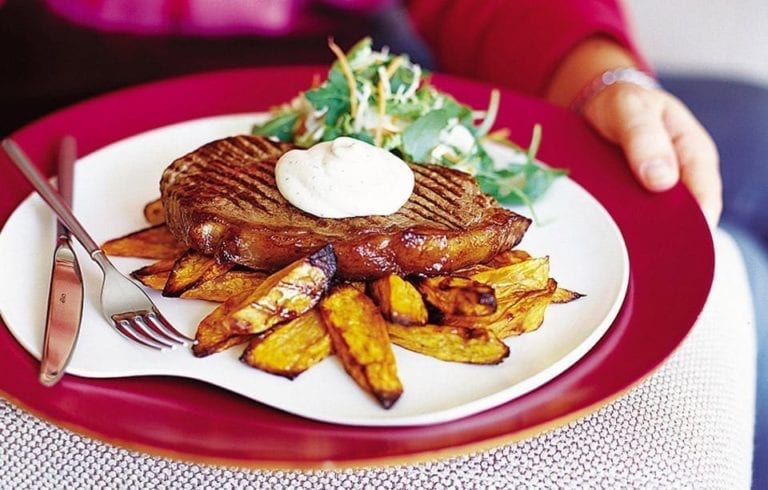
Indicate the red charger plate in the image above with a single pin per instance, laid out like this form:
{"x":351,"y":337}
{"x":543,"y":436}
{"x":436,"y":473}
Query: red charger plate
{"x":671,"y":259}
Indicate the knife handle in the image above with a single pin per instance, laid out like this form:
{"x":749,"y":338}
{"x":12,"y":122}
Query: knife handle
{"x":49,"y":195}
{"x":66,"y":170}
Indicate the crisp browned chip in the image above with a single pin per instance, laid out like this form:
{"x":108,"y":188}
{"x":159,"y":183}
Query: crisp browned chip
{"x":452,"y":295}
{"x":290,"y":348}
{"x":508,"y":257}
{"x":457,"y":344}
{"x":154,"y":212}
{"x":525,"y":313}
{"x":217,"y":289}
{"x":399,"y":301}
{"x":502,"y":259}
{"x":285,"y":294}
{"x":563,"y":295}
{"x":223,"y":287}
{"x":360,"y":339}
{"x":190,"y":270}
{"x":282,"y":296}
{"x":154,"y":275}
{"x":518,"y":312}
{"x":213,"y":333}
{"x":155,"y":242}
{"x":521,"y":276}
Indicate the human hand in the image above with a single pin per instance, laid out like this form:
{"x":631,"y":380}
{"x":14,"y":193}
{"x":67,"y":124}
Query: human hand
{"x":663,"y":142}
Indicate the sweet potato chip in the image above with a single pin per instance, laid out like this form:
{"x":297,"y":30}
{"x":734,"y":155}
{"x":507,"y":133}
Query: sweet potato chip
{"x":286,"y":294}
{"x":213,"y":333}
{"x":154,"y":212}
{"x":526,"y":275}
{"x":504,"y":258}
{"x":226,"y":285}
{"x":452,"y":295}
{"x":399,"y":301}
{"x":563,"y":295}
{"x":360,"y":339}
{"x":155,"y":274}
{"x":282,"y":296}
{"x":518,"y":312}
{"x":290,"y":348}
{"x":190,"y":270}
{"x":155,"y":242}
{"x":526,"y":313}
{"x":508,"y":258}
{"x":456,"y":344}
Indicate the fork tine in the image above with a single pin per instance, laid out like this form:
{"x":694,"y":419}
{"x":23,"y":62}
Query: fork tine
{"x":141,"y":325}
{"x":134,"y":321}
{"x":161,"y":323}
{"x":123,"y":326}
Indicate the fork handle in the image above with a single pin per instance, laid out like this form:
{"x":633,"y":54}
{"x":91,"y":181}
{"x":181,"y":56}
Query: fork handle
{"x":49,"y":195}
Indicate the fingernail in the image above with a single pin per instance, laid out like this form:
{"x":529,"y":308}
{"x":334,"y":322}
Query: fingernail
{"x":659,"y":174}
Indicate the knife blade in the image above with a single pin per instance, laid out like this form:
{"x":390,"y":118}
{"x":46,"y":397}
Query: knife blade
{"x":65,"y":293}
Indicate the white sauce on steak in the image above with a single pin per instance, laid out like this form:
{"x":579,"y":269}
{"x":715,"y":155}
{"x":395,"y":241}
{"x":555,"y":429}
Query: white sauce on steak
{"x":344,"y":178}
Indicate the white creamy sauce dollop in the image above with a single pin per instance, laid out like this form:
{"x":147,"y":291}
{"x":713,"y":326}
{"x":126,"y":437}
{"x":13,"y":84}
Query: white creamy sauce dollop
{"x":344,"y":178}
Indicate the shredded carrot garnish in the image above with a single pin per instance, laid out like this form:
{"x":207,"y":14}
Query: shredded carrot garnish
{"x":347,"y":71}
{"x":499,"y":134}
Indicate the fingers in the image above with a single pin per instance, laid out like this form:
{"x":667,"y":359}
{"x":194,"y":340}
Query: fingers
{"x":662,"y":140}
{"x":624,"y":114}
{"x":698,"y":158}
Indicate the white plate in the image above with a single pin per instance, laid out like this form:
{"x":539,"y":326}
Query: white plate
{"x":586,"y":250}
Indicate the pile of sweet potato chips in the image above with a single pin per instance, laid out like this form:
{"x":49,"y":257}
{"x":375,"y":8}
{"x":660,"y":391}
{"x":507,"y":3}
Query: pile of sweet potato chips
{"x":295,"y":317}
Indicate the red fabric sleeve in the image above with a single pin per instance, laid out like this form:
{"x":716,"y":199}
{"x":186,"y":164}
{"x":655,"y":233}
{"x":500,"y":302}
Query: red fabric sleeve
{"x":514,"y":43}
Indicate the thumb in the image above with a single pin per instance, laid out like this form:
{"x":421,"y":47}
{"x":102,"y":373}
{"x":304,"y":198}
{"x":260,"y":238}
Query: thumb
{"x":633,"y":118}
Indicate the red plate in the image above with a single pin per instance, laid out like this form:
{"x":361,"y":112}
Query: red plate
{"x":671,"y":267}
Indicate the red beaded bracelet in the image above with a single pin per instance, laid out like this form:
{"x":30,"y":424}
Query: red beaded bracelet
{"x":608,"y":78}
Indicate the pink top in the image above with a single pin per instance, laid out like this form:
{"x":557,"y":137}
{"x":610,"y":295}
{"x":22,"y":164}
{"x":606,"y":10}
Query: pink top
{"x":208,"y":17}
{"x":516,"y":43}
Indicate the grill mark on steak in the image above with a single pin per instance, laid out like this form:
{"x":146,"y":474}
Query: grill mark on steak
{"x":265,"y":146}
{"x":243,"y":177}
{"x":419,"y":212}
{"x":230,"y":190}
{"x":432,"y":202}
{"x":220,"y":182}
{"x":252,"y":149}
{"x":431,"y":210}
{"x":230,"y":175}
{"x":264,"y":174}
{"x":451,"y":185}
{"x":433,"y":196}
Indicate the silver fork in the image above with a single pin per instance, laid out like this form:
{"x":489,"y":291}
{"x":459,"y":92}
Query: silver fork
{"x":124,"y":304}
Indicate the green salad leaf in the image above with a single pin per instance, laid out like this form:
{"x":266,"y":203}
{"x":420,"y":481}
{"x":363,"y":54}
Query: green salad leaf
{"x":423,"y":134}
{"x":280,"y":127}
{"x":386,"y":100}
{"x":332,"y":96}
{"x":519,"y":183}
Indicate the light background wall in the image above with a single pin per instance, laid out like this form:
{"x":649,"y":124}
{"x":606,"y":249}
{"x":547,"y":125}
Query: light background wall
{"x":714,"y":37}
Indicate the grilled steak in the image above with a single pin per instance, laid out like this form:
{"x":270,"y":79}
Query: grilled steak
{"x":222,"y":200}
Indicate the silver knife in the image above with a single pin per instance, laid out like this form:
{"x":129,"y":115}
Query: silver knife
{"x":65,"y":293}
